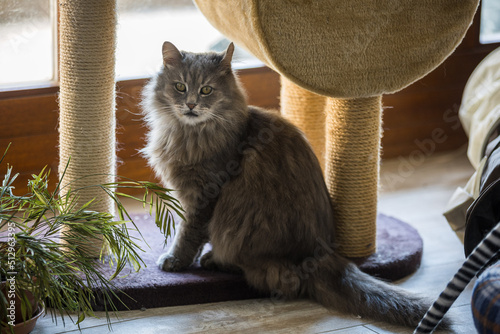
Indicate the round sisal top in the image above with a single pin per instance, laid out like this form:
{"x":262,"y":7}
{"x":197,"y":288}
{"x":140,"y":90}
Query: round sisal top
{"x":345,"y":48}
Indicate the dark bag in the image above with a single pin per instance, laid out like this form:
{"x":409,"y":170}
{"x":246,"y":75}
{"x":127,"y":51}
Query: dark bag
{"x":484,"y":212}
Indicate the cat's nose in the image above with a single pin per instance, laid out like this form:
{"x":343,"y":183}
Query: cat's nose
{"x":191,"y":105}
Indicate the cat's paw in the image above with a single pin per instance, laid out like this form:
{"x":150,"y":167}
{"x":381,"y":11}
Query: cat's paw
{"x":168,"y":262}
{"x":207,"y":262}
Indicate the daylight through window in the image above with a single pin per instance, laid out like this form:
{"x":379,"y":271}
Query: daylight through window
{"x":490,"y":22}
{"x":28,"y":38}
{"x":27,"y":33}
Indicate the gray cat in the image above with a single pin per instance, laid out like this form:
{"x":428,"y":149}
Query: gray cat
{"x":251,"y":185}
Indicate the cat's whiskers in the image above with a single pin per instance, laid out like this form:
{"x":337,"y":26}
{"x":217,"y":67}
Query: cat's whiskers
{"x":165,"y":108}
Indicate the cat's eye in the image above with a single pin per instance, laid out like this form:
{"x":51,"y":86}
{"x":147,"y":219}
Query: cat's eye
{"x":206,"y":90}
{"x":180,"y":87}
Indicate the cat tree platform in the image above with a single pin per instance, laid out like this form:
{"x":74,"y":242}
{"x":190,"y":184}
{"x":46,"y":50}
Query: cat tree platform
{"x":398,"y":253}
{"x":399,"y":250}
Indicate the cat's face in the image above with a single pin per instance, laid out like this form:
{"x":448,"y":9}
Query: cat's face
{"x":197,"y":87}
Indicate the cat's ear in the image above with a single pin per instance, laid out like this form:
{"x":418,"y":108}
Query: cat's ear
{"x":228,"y":56}
{"x":171,"y":56}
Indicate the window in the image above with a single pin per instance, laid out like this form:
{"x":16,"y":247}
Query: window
{"x":28,"y":30}
{"x":490,"y":22}
{"x":27,"y":42}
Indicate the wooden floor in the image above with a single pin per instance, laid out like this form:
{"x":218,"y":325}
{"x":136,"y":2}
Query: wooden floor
{"x":414,"y":190}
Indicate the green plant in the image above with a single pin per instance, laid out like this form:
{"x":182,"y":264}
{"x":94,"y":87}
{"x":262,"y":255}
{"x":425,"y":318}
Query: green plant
{"x":44,"y":237}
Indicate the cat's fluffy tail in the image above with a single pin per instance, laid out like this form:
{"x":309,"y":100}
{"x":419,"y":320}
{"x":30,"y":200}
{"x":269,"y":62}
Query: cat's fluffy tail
{"x":348,"y":289}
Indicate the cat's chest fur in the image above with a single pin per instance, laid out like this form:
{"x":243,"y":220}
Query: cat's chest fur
{"x":199,"y":178}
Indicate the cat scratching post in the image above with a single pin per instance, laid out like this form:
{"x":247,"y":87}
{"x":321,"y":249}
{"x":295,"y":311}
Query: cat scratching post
{"x":306,"y":110}
{"x":352,"y":135}
{"x":87,"y":100}
{"x":351,"y":52}
{"x":352,"y":170}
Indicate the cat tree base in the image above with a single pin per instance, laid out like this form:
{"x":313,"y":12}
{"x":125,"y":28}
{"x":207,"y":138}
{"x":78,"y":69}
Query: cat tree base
{"x":399,"y":250}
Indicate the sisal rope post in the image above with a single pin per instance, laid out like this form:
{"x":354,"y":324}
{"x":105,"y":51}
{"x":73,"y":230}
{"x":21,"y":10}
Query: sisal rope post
{"x":306,"y":110}
{"x":353,"y":132}
{"x":87,"y":38}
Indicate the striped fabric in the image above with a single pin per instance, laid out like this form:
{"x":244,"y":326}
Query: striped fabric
{"x":481,"y":255}
{"x":486,"y":301}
